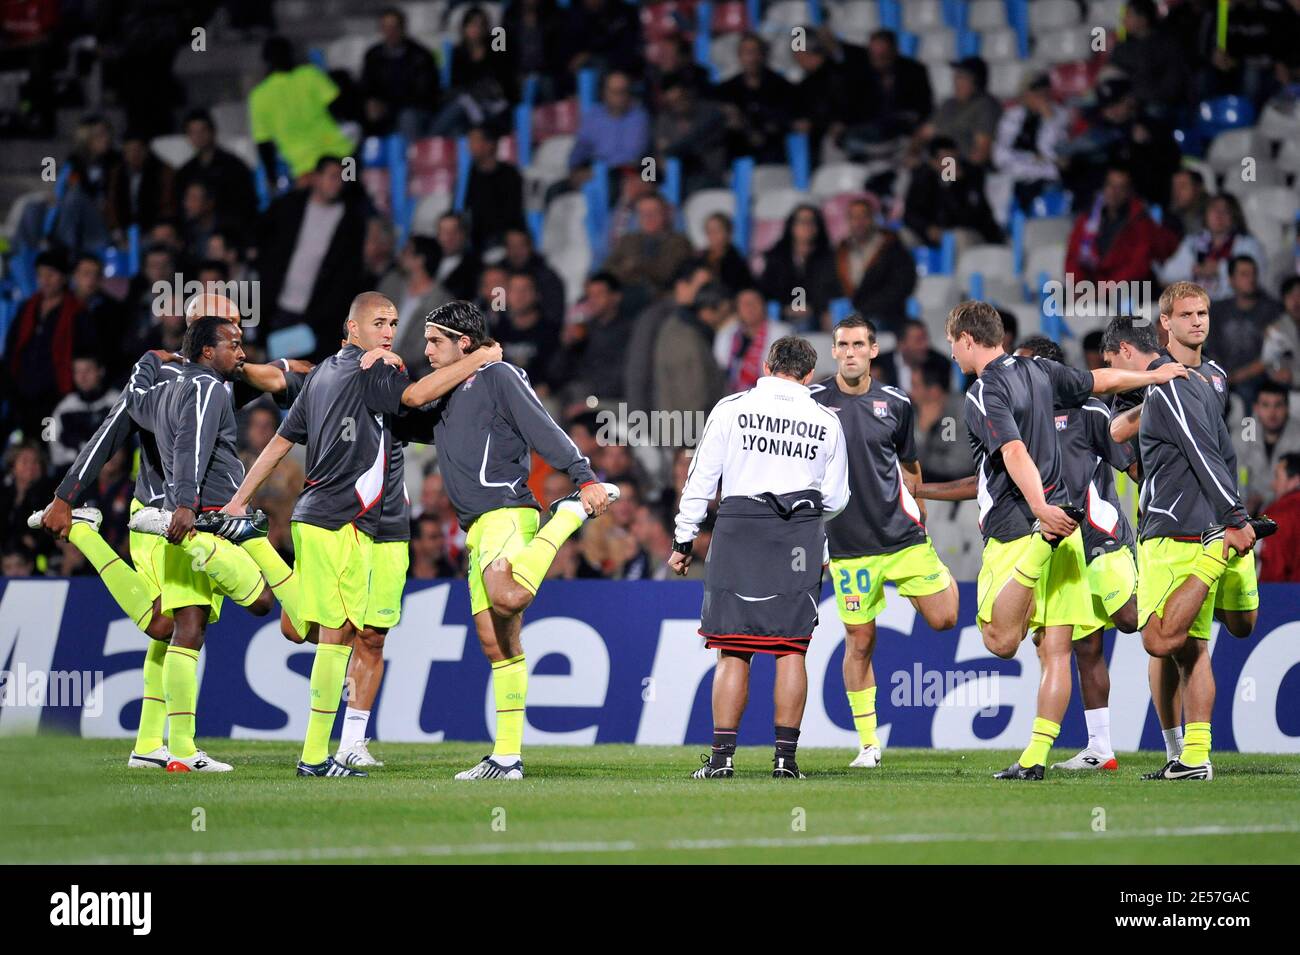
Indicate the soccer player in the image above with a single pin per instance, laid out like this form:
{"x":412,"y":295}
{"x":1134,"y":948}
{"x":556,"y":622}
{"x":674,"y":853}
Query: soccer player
{"x":137,"y":587}
{"x":485,"y":430}
{"x":1033,"y":576}
{"x":880,"y":535}
{"x":1089,"y":456}
{"x":1195,"y":536}
{"x":780,"y":460}
{"x":340,"y":416}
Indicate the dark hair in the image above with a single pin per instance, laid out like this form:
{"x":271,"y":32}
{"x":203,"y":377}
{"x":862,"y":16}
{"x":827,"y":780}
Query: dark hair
{"x":686,"y":271}
{"x":216,"y":265}
{"x":911,"y":323}
{"x":792,"y":356}
{"x":325,"y":161}
{"x":462,"y":318}
{"x":277,"y":53}
{"x":198,"y":115}
{"x":1092,"y":341}
{"x":1290,"y":463}
{"x":889,"y":36}
{"x":1120,"y":167}
{"x":1192,"y":174}
{"x":1010,"y":326}
{"x":937,"y":370}
{"x":486,"y":132}
{"x":821,"y":241}
{"x":749,"y":36}
{"x":230,"y":239}
{"x":1146,"y":9}
{"x":394,"y":12}
{"x":980,"y":320}
{"x":1236,"y":260}
{"x":1124,"y":329}
{"x":88,"y":257}
{"x":53,"y":259}
{"x":203,"y":333}
{"x":711,"y":295}
{"x":428,"y":251}
{"x":854,"y":320}
{"x":1270,"y":387}
{"x":607,"y":279}
{"x":1291,"y":282}
{"x":1040,"y":346}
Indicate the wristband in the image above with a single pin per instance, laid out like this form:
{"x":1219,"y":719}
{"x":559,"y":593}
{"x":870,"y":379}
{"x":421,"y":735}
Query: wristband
{"x":683,"y":547}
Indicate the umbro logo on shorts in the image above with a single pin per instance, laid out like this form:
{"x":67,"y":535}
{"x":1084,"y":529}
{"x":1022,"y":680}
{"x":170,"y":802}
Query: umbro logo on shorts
{"x":1111,"y":595}
{"x":386,"y":612}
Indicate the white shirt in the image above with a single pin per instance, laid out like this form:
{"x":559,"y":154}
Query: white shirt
{"x":319,"y":221}
{"x":773,"y":437}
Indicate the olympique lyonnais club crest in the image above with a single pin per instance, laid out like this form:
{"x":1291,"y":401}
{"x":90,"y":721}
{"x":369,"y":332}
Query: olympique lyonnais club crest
{"x":470,"y":381}
{"x":1061,"y":421}
{"x":1217,"y":381}
{"x":880,"y":408}
{"x":852,"y":602}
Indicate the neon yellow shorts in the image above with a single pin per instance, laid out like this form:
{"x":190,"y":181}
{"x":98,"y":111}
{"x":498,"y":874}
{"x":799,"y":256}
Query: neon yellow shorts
{"x":147,"y":553}
{"x":859,"y":582}
{"x":186,"y":584}
{"x":1239,"y":586}
{"x":389,"y":561}
{"x":500,"y":533}
{"x":1112,"y":578}
{"x":1061,"y":598}
{"x":1163,"y":564}
{"x":333,"y":569}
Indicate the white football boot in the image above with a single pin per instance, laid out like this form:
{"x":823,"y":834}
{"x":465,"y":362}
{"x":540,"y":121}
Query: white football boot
{"x":1088,"y":758}
{"x":356,"y":754}
{"x":150,"y":520}
{"x":80,"y":515}
{"x":200,"y":762}
{"x":489,"y":768}
{"x":868,"y":758}
{"x":155,"y":759}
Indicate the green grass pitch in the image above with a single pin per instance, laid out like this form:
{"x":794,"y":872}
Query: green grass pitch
{"x":72,"y":800}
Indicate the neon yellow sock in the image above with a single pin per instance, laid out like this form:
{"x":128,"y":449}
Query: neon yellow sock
{"x":279,"y":577}
{"x":1032,"y":562}
{"x":181,"y":688}
{"x":1196,"y":745}
{"x":1040,"y":742}
{"x":328,"y":671}
{"x":232,"y":570}
{"x":529,"y":566}
{"x":1209,"y":564}
{"x":863,"y":705}
{"x":510,"y":686}
{"x":130,"y":588}
{"x":153,"y":709}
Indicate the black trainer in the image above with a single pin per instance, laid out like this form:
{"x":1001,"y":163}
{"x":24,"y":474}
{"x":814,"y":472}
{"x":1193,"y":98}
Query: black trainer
{"x":784,"y":767}
{"x":1159,"y":773}
{"x":330,"y":767}
{"x":234,"y":529}
{"x":1174,"y":769}
{"x":1263,"y":526}
{"x":722,"y":769}
{"x":1016,"y":771}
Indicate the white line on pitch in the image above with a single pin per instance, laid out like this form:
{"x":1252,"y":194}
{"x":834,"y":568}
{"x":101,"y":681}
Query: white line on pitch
{"x":344,"y":853}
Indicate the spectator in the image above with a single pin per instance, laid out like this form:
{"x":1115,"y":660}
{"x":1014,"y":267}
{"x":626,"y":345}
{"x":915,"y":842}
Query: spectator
{"x":399,"y":80}
{"x":105,"y":319}
{"x":799,"y":271}
{"x":522,"y":257}
{"x":224,"y":246}
{"x":1281,"y":351}
{"x":595,"y":346}
{"x":741,"y":344}
{"x":140,"y":188}
{"x":415,"y":293}
{"x":535,"y":29}
{"x":676,"y":66}
{"x":825,"y":99}
{"x":378,"y":251}
{"x":429,"y":559}
{"x":638,"y":378}
{"x":898,"y":94}
{"x":1092,"y":350}
{"x":1257,"y":33}
{"x":1117,"y":241}
{"x":25,"y":488}
{"x":615,"y":131}
{"x":289,"y":111}
{"x":1187,"y":202}
{"x":692,"y":131}
{"x":647,"y":259}
{"x":494,"y":196}
{"x":970,"y":116}
{"x":18,"y":561}
{"x":157,"y":265}
{"x":1118,"y":133}
{"x":654,"y":543}
{"x":948,"y":193}
{"x":199,"y":212}
{"x":1262,"y":440}
{"x":901,"y":366}
{"x":435,"y":502}
{"x":1010,"y":330}
{"x":311,"y":256}
{"x":1287,"y":100}
{"x":1280,"y":557}
{"x":875,"y":270}
{"x":483,"y":84}
{"x":229,"y":181}
{"x":1203,"y":256}
{"x":942,"y":445}
{"x":1237,"y":327}
{"x":603,"y":34}
{"x":757,"y":103}
{"x":1025,"y":150}
{"x":79,"y":414}
{"x":686,"y":377}
{"x":721,"y":257}
{"x":527,"y":338}
{"x":80,"y":219}
{"x":94,"y":156}
{"x":459,"y":268}
{"x":49,"y":329}
{"x":492,"y":287}
{"x":1152,"y":59}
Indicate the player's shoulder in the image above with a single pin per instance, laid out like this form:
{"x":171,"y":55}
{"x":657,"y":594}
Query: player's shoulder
{"x":894,"y":394}
{"x":1097,"y":406}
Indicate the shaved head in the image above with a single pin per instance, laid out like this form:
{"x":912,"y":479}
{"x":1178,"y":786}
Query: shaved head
{"x":210,"y":305}
{"x":365,"y":305}
{"x":371,"y":322}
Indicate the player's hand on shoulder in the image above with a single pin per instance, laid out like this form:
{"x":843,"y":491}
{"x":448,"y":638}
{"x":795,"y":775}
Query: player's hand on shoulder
{"x":181,"y":526}
{"x":386,"y":355}
{"x":1170,"y":371}
{"x":298,"y":366}
{"x":490,"y":351}
{"x":165,"y":356}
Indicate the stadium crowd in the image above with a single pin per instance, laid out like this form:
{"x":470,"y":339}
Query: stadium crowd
{"x":675,"y":308}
